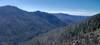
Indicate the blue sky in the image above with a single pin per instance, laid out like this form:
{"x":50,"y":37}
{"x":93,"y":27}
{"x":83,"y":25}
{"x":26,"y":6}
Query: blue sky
{"x":75,"y":7}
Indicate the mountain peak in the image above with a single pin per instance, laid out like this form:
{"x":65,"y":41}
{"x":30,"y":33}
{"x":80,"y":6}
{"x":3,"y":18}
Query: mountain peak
{"x":10,"y":10}
{"x":9,"y":6}
{"x":39,"y":12}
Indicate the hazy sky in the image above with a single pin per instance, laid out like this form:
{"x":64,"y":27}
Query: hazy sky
{"x":76,"y":7}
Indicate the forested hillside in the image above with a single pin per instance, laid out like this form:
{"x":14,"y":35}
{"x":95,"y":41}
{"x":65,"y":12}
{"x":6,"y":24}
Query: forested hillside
{"x":18,"y":26}
{"x":85,"y":33}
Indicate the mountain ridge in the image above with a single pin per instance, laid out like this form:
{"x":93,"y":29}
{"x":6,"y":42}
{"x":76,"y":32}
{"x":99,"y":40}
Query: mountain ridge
{"x":17,"y":26}
{"x":84,"y":33}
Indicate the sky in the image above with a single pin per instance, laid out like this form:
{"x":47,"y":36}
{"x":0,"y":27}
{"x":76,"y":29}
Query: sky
{"x":74,"y":7}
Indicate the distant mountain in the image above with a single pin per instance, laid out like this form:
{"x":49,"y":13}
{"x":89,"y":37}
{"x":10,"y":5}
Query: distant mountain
{"x":50,"y":17}
{"x":17,"y":25}
{"x":67,"y":18}
{"x":85,"y":33}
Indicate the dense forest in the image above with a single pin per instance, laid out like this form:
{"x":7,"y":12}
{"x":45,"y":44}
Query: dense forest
{"x":86,"y":32}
